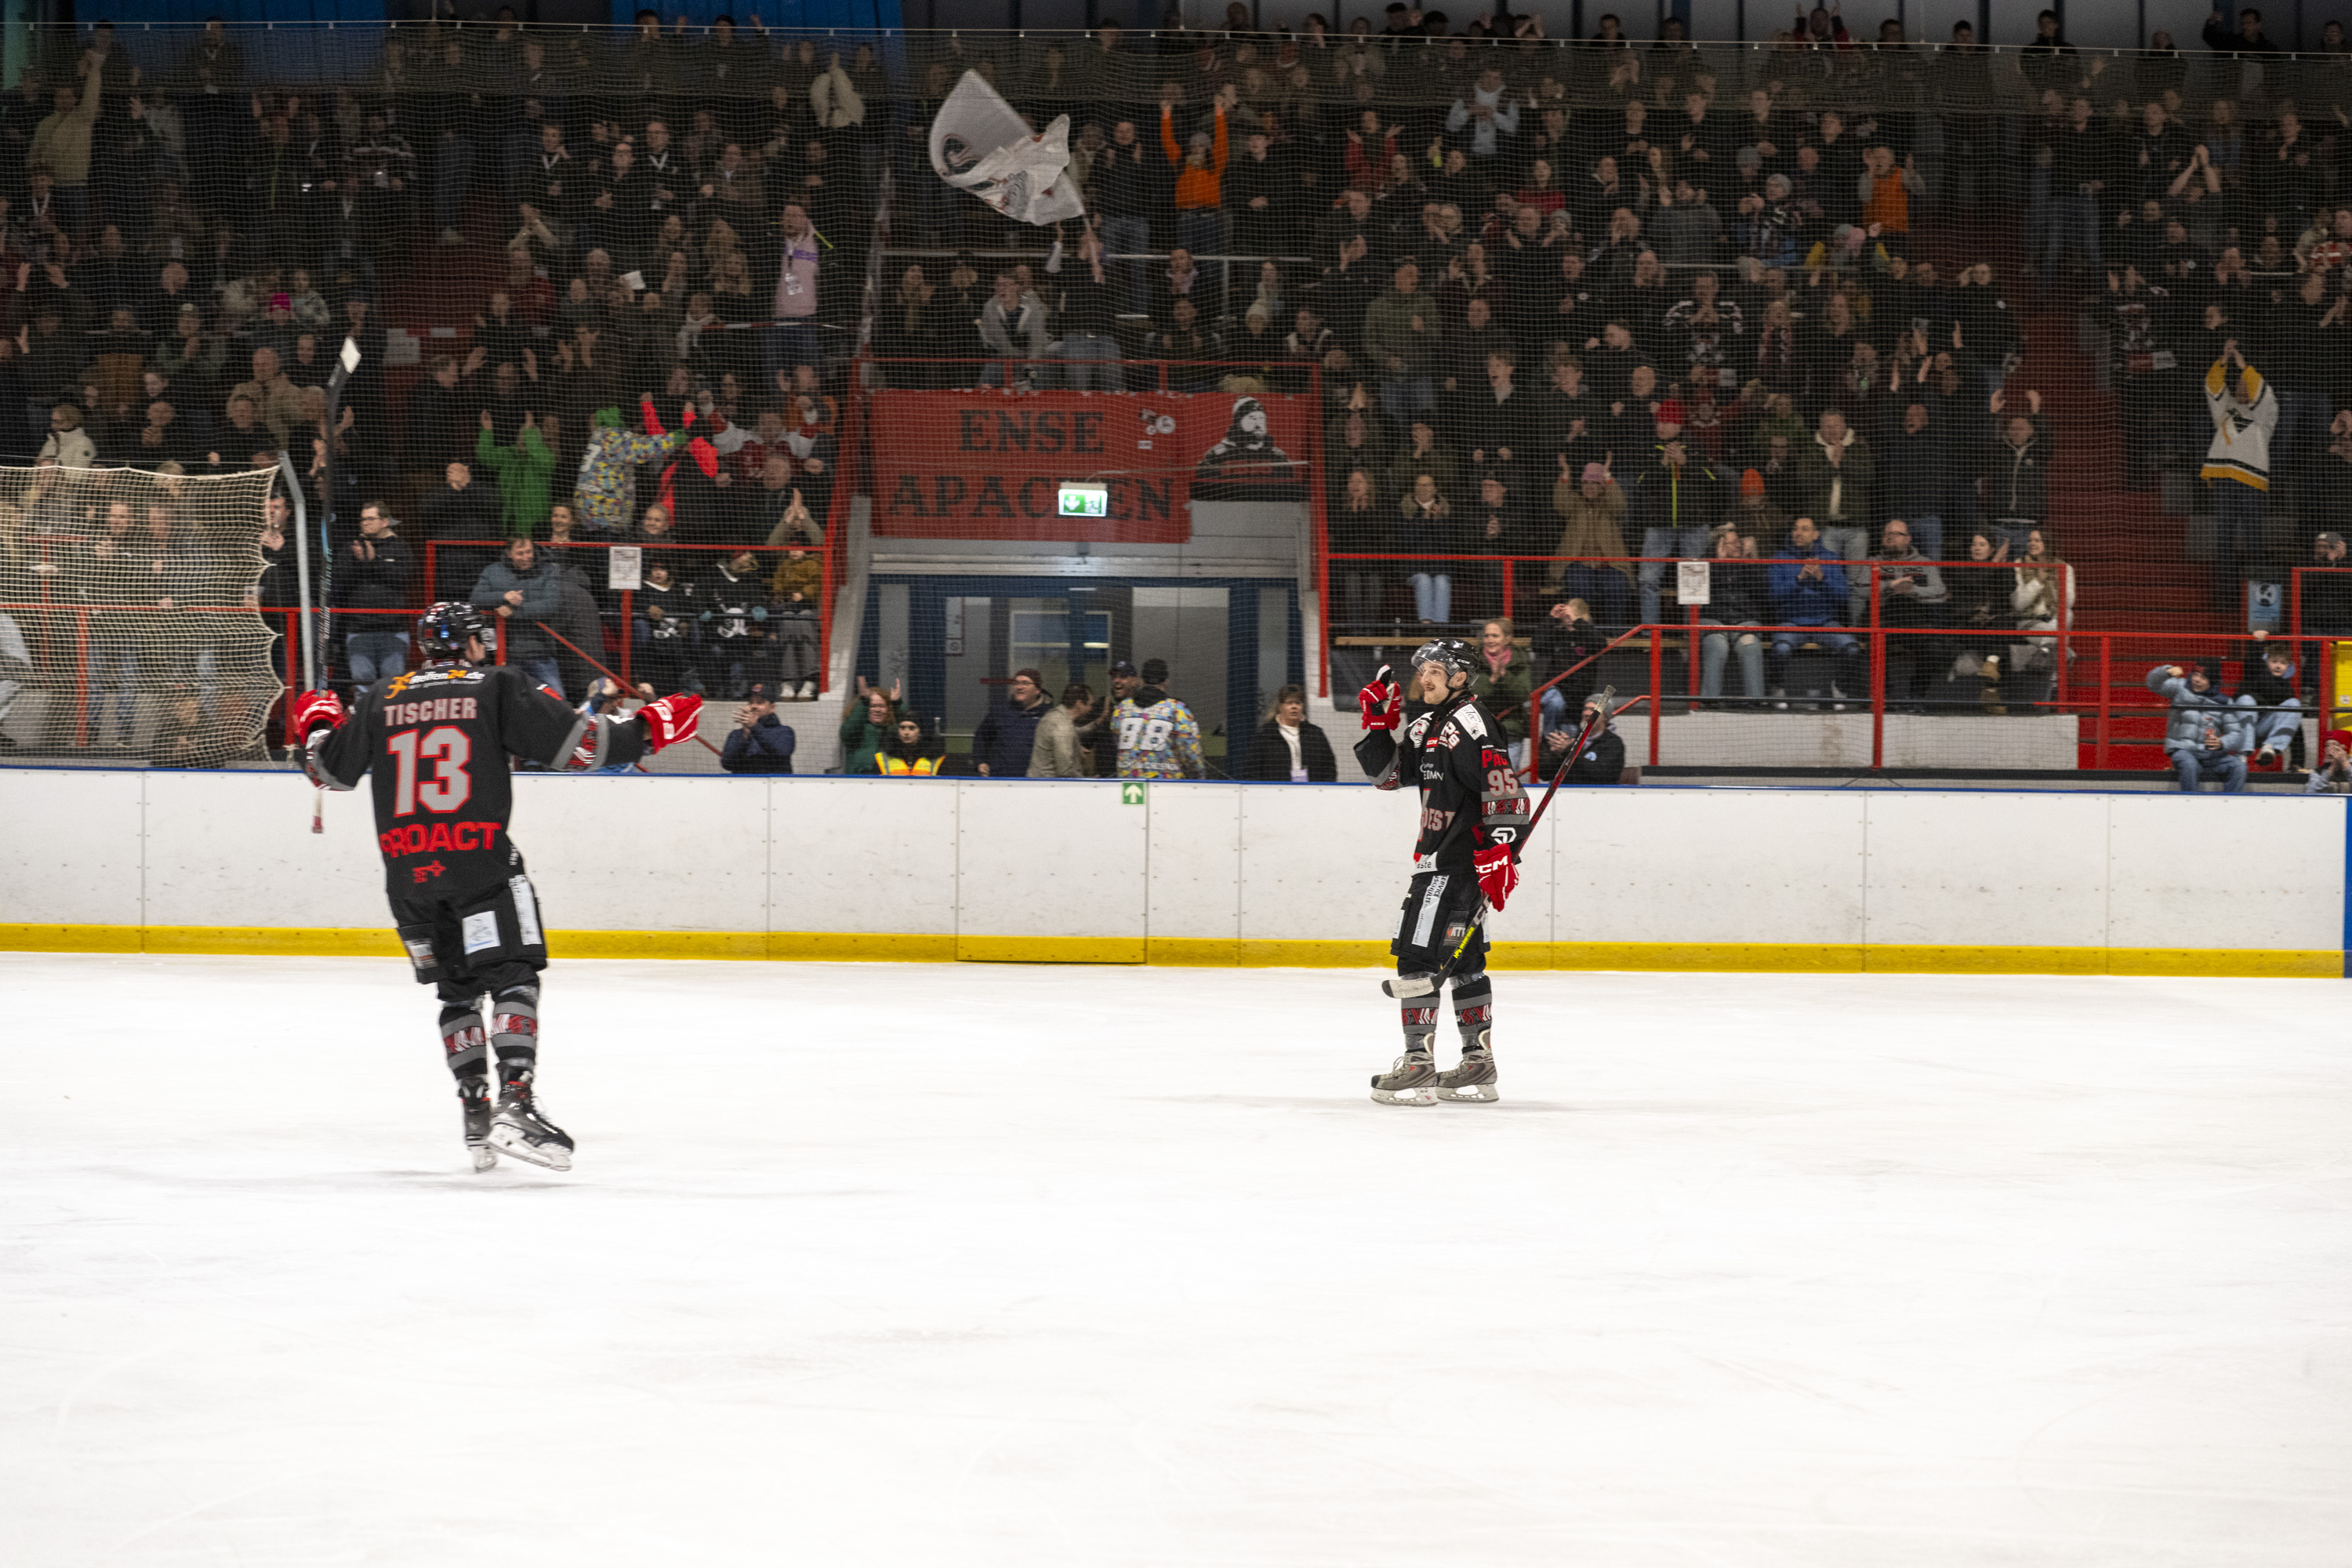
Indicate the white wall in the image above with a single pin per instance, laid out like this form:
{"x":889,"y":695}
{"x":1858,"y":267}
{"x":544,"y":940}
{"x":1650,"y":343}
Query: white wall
{"x":1212,"y":861}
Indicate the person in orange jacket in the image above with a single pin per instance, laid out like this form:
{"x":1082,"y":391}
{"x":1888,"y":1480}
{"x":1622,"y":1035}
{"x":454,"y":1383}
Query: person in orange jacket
{"x":1200,"y":173}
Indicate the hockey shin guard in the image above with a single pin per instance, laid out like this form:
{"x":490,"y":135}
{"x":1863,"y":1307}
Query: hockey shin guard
{"x":463,"y":1043}
{"x":1474,"y":1009}
{"x":1419,"y":1016}
{"x":514,"y":1033}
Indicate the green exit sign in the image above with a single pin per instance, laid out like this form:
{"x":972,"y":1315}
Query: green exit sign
{"x":1132,"y":793}
{"x":1085,"y":500}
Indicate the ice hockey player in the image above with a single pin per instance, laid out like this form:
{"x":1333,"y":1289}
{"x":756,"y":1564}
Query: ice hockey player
{"x":438,"y":740}
{"x":1472,"y":816}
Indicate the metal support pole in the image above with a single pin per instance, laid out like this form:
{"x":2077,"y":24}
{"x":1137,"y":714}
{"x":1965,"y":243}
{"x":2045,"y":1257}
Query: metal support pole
{"x":302,"y":568}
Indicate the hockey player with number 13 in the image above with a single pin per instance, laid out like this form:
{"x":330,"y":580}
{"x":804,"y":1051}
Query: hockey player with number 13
{"x":437,"y":741}
{"x":1472,"y":816}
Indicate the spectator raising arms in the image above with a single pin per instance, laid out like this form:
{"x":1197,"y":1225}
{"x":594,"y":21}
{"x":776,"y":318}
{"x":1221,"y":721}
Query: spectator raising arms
{"x":2207,"y":735}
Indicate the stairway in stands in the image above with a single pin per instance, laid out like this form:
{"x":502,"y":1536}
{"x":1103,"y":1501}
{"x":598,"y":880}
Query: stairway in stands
{"x":2132,"y":571}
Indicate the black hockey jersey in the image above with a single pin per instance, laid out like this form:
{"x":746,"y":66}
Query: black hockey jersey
{"x":1470,"y":793}
{"x":437,"y":741}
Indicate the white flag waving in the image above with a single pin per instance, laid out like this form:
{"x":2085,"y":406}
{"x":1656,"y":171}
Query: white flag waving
{"x":980,"y":143}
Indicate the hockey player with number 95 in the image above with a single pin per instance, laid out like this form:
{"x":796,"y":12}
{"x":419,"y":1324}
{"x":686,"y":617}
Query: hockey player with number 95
{"x":1473,"y":816}
{"x":438,"y":741}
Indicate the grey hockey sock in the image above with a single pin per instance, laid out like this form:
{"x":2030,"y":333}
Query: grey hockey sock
{"x":514,"y":1033}
{"x":1473,"y":1010}
{"x":463,"y":1042}
{"x":1419,"y":1016}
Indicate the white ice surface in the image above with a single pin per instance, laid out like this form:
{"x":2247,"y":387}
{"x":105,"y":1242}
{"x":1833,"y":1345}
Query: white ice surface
{"x":948,"y":1265}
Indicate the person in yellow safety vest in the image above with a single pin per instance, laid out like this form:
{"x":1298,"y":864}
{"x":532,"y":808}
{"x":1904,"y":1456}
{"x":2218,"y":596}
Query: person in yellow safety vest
{"x":909,"y":753}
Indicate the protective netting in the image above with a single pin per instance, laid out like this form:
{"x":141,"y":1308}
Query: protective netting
{"x":142,"y":615}
{"x":2074,"y":307}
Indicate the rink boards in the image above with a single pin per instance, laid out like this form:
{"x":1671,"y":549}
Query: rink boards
{"x":1214,"y":874}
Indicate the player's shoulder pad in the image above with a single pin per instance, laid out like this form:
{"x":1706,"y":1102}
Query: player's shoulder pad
{"x":1472,"y":718}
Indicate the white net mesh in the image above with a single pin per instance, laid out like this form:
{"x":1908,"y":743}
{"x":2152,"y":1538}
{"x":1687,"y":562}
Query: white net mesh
{"x":142,"y":617}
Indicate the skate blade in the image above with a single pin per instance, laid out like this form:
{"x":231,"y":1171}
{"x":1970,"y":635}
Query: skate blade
{"x":1423,"y":1095}
{"x":1470,"y":1094}
{"x":552,"y":1156}
{"x":485,"y":1157}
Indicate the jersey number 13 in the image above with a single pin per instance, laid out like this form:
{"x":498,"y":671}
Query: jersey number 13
{"x":448,"y":750}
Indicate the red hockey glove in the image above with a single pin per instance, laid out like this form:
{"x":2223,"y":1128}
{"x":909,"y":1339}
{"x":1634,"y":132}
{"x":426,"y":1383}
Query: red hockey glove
{"x":1498,"y":874}
{"x":312,"y":710}
{"x":671,"y":719}
{"x":1380,"y":705}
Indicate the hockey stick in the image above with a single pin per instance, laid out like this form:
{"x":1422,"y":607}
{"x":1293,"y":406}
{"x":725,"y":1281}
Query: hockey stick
{"x":1409,"y":985}
{"x":626,"y":688}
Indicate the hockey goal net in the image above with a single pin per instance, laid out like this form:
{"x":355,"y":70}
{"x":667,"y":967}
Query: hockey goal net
{"x":142,"y":615}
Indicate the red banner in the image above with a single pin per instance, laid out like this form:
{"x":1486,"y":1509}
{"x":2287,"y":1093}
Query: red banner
{"x":989,"y":465}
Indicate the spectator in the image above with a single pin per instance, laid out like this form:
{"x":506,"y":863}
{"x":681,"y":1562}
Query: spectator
{"x":1566,"y":641}
{"x":1911,"y":593}
{"x":662,"y":637}
{"x":794,"y":339}
{"x":1426,"y":529}
{"x":1490,"y":117}
{"x":2043,"y":601}
{"x":867,"y":721}
{"x":1754,"y":515}
{"x":523,"y":473}
{"x":1809,"y":590}
{"x":1502,"y":683}
{"x":114,"y":580}
{"x":1013,"y":327}
{"x":2017,"y":489}
{"x":1090,"y":350}
{"x":377,"y":576}
{"x":761,"y":742}
{"x":908,"y":752}
{"x":1400,"y":337}
{"x":606,"y":491}
{"x":1603,"y":759}
{"x":732,"y":619}
{"x":2207,"y":736}
{"x":2271,"y":689}
{"x":1056,"y":754}
{"x":2334,"y":773}
{"x":277,"y":401}
{"x":1675,"y":499}
{"x":1916,"y":477}
{"x":1200,"y":168}
{"x":1119,"y":190}
{"x":1592,"y":512}
{"x":1001,"y":746}
{"x":2237,"y":470}
{"x":459,"y":510}
{"x":1288,"y":749}
{"x":524,"y":592}
{"x":1736,"y":596}
{"x":1158,"y":736}
{"x":68,"y":445}
{"x":1837,"y":469}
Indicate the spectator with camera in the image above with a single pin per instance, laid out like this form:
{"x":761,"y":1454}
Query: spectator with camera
{"x":377,"y":574}
{"x":760,"y":742}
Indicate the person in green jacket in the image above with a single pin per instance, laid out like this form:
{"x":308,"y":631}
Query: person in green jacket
{"x":1501,"y":683}
{"x":867,"y":724}
{"x":524,"y":473}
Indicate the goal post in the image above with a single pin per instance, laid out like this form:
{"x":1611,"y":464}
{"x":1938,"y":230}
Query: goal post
{"x":143,"y":615}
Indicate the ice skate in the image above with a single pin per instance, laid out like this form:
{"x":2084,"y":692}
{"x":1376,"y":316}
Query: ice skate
{"x":521,"y":1131}
{"x":1473,"y":1082}
{"x":474,"y":1100}
{"x":1412,"y":1081}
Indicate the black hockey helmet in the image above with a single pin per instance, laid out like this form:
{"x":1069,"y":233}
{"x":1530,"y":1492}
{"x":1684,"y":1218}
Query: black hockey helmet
{"x":1458,"y":656}
{"x":444,"y":628}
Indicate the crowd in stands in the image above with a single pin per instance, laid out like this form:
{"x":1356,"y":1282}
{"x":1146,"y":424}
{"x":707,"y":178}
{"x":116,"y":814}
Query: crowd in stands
{"x":1589,"y":300}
